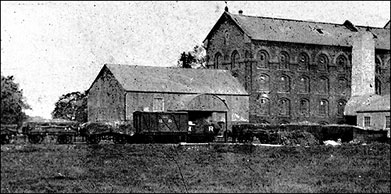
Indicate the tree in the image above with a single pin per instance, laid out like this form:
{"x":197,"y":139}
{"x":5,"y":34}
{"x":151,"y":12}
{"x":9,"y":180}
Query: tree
{"x":12,"y":102}
{"x":186,"y":60}
{"x":193,"y":59}
{"x":71,"y":106}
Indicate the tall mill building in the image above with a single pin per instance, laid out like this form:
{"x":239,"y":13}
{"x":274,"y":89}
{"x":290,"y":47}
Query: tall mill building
{"x":300,"y":70}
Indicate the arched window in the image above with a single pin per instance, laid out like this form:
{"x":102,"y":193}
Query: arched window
{"x":264,"y":82}
{"x":378,"y":66}
{"x":340,"y":107}
{"x":323,"y":107}
{"x":284,"y":60}
{"x":378,"y":86}
{"x":342,"y":85}
{"x":235,"y":60}
{"x":305,"y":107}
{"x":218,"y":60}
{"x":303,"y":61}
{"x":324,"y":85}
{"x":264,"y":106}
{"x":284,"y":107}
{"x":341,"y":63}
{"x":304,"y":84}
{"x":262,"y":59}
{"x":323,"y":62}
{"x":284,"y":84}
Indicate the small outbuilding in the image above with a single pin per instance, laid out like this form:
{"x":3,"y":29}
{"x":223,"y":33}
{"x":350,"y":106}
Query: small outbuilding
{"x":371,"y":111}
{"x":120,"y":90}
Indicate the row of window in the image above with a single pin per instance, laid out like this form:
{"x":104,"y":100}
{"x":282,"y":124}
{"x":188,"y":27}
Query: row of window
{"x":263,"y":59}
{"x":367,"y":122}
{"x":284,"y":107}
{"x":302,"y":85}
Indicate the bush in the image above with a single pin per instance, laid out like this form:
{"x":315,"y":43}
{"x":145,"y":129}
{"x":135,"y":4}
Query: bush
{"x":302,"y":138}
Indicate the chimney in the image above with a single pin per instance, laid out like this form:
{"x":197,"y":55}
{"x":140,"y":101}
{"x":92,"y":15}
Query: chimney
{"x":226,"y":8}
{"x":363,"y":64}
{"x":240,"y":12}
{"x":350,"y":26}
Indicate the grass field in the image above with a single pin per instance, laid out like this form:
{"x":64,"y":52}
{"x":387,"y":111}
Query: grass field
{"x":214,"y":168}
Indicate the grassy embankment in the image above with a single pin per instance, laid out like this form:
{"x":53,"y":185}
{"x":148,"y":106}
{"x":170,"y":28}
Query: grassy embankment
{"x":215,"y":168}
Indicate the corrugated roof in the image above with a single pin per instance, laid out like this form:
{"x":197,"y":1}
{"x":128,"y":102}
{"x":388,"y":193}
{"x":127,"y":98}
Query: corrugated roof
{"x":367,"y":103}
{"x":307,"y":32}
{"x":177,"y":80}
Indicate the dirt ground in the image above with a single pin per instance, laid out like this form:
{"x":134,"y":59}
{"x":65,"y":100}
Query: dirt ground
{"x":210,"y":168}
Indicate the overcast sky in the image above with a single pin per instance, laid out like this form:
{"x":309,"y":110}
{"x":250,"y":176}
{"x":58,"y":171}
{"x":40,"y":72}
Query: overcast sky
{"x":53,"y":48}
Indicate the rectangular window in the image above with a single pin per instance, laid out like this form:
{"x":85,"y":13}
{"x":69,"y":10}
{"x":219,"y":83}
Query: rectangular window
{"x":158,"y":104}
{"x":387,"y":122}
{"x":367,"y":121}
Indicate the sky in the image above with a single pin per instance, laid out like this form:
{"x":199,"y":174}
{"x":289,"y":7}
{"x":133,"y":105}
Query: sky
{"x":54,"y":48}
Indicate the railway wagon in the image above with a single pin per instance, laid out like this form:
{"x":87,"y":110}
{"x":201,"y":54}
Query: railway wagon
{"x":160,"y":127}
{"x":149,"y":127}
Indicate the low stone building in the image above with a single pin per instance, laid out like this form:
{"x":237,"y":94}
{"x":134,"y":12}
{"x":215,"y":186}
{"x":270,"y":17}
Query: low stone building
{"x":120,"y":90}
{"x":372,"y":111}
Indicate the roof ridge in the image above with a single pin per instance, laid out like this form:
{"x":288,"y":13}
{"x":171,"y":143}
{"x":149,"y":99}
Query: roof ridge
{"x":307,"y":21}
{"x":295,"y":20}
{"x":167,"y":67}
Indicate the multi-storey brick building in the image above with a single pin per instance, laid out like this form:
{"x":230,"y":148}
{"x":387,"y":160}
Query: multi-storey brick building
{"x":296,"y":70}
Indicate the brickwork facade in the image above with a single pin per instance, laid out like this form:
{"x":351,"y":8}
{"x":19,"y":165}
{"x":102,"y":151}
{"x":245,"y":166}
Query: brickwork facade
{"x":289,"y":82}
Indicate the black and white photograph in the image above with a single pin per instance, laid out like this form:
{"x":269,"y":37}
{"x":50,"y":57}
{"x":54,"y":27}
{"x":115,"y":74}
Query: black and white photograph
{"x":195,"y":97}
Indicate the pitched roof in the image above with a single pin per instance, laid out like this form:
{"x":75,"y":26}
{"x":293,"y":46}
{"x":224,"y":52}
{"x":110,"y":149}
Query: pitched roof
{"x":176,"y":80}
{"x":307,"y":32}
{"x":367,"y":103}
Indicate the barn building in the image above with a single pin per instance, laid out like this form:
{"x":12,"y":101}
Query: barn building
{"x":300,"y":70}
{"x":120,"y":90}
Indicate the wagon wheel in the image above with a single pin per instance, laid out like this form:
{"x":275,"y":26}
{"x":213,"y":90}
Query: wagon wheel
{"x":35,"y":139}
{"x":119,"y":139}
{"x":248,"y":138}
{"x":69,"y":139}
{"x":64,"y":139}
{"x":61,"y":139}
{"x":93,"y":139}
